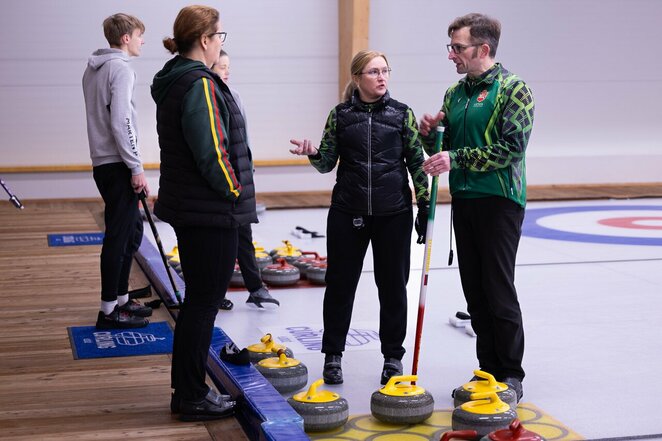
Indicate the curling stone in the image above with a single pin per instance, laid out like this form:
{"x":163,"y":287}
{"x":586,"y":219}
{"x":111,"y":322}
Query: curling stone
{"x":484,"y":415}
{"x":285,"y":374}
{"x":514,"y":432}
{"x":280,"y":273}
{"x":484,"y":382}
{"x":266,"y":348}
{"x":174,"y":252}
{"x":400,"y":403}
{"x":173,"y":259}
{"x":457,"y":435}
{"x":262,"y":257}
{"x":320,"y":409}
{"x":237,"y":278}
{"x":304,"y":262}
{"x":316,"y":272}
{"x":289,"y":252}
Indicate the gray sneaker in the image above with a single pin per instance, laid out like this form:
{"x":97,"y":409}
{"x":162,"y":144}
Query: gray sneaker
{"x":516,"y":385}
{"x":257,"y":298}
{"x":392,"y":366}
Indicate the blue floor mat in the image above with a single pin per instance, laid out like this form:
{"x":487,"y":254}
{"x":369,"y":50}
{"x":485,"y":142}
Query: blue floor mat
{"x":90,"y":342}
{"x":75,"y":239}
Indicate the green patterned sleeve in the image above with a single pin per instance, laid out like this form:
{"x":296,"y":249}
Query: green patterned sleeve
{"x":414,"y":158}
{"x":327,"y":154}
{"x":514,"y":126}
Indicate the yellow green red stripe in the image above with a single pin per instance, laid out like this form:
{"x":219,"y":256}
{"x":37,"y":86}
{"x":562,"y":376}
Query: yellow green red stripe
{"x":217,"y":134}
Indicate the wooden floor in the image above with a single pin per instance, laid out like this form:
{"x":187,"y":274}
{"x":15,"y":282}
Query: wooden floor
{"x":44,"y":392}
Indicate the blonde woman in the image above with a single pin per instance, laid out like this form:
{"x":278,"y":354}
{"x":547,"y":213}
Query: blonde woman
{"x":374,"y":140}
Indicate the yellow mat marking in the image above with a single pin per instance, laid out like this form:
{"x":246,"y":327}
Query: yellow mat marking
{"x":367,"y":428}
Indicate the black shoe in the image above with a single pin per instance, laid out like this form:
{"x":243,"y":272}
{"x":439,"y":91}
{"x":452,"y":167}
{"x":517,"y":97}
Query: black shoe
{"x":212,"y":396}
{"x":205,"y":410}
{"x":120,"y":320}
{"x":332,"y":372}
{"x":261,"y":296}
{"x":516,"y":385}
{"x":392,"y":366}
{"x":226,"y":305}
{"x":133,"y":307}
{"x":140,"y":293}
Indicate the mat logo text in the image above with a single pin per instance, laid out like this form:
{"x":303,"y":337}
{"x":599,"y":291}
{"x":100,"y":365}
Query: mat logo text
{"x":108,"y":340}
{"x":311,"y":338}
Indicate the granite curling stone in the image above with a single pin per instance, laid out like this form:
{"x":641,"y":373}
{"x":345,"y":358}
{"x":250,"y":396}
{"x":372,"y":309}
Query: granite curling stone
{"x":321,"y":410}
{"x":484,"y":382}
{"x":280,"y":274}
{"x":266,"y":348}
{"x":400,"y":403}
{"x":285,"y":374}
{"x":486,"y":413}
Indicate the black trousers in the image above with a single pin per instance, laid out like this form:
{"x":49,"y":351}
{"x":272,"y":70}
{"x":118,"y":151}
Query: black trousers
{"x":246,"y":257}
{"x":124,"y":228}
{"x":390,"y":237}
{"x":487,"y":233}
{"x":207,"y":256}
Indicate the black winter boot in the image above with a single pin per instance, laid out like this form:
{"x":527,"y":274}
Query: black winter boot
{"x":392,"y":366}
{"x":332,"y":373}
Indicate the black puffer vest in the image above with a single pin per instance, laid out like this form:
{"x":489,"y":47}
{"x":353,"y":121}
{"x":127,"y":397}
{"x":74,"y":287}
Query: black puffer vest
{"x":185,"y":198}
{"x":372,"y":177}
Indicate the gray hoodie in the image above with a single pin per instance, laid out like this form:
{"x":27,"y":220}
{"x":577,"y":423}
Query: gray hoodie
{"x":108,"y":84}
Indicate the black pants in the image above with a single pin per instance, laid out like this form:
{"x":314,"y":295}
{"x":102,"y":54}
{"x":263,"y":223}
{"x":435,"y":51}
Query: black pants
{"x":346,"y":247}
{"x":246,"y":257}
{"x":487,"y":233}
{"x":124,"y":228}
{"x":207,"y":256}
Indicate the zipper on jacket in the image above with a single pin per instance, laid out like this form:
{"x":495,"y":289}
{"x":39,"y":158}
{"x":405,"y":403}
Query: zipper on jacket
{"x":464,"y":134}
{"x":370,"y":162}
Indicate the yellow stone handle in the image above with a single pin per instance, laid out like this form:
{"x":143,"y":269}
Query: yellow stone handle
{"x":312,"y":390}
{"x":399,"y":379}
{"x":267,"y":340}
{"x":485,"y":376}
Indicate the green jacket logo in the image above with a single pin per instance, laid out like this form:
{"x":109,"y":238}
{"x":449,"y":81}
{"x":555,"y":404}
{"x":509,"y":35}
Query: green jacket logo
{"x":482,"y":96}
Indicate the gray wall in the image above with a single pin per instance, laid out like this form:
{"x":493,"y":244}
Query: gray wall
{"x":592,"y":65}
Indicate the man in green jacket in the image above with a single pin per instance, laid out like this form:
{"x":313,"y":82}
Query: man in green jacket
{"x":488,"y":117}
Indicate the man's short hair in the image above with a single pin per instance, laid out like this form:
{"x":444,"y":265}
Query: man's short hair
{"x":115,"y":26}
{"x":482,"y":28}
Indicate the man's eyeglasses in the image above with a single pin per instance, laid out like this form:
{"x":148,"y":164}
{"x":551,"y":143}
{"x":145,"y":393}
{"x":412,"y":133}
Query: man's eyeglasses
{"x":374,"y":73}
{"x":222,"y":35}
{"x":458,"y":48}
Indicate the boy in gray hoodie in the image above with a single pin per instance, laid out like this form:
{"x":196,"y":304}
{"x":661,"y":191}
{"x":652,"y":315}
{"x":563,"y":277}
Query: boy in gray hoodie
{"x":108,"y":85}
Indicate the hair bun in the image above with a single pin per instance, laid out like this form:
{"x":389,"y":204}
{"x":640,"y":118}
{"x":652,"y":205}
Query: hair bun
{"x":170,"y":44}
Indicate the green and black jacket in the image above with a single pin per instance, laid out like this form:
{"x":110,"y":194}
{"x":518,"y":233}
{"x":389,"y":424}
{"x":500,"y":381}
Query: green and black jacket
{"x":374,"y":145}
{"x":487,"y":128}
{"x":206,"y":168}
